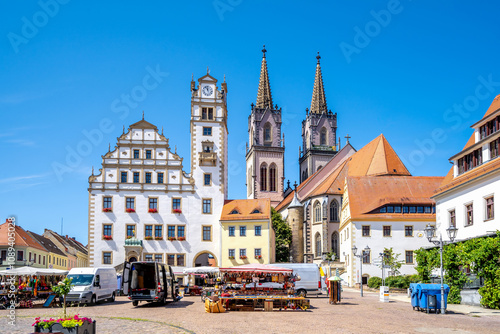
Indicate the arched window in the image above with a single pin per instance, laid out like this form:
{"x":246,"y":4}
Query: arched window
{"x":267,"y":133}
{"x":263,"y":177}
{"x":308,"y":141}
{"x":317,"y":242}
{"x":303,"y":176}
{"x":323,"y":137}
{"x":272,"y":177}
{"x":335,"y":244}
{"x":334,"y":211}
{"x":317,"y":211}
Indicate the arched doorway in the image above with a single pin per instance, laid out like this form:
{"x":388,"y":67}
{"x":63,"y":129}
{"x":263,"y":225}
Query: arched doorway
{"x":132,"y":259}
{"x":205,"y":259}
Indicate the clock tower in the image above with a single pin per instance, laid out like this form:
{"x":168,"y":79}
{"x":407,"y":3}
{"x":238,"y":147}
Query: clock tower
{"x":209,"y":137}
{"x":265,"y":154}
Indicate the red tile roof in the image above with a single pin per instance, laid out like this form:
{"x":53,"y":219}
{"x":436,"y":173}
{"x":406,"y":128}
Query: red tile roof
{"x":22,"y":237}
{"x":244,"y":209}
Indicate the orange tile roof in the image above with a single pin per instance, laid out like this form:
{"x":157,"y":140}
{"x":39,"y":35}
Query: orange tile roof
{"x":245,"y":207}
{"x":495,"y":105}
{"x":450,"y":182}
{"x":470,"y":142}
{"x":369,"y":193}
{"x":23,"y":239}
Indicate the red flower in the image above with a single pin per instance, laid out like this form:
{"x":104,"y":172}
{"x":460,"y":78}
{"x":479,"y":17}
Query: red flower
{"x":177,"y":211}
{"x":130,"y":210}
{"x":181,"y":238}
{"x":107,"y":237}
{"x":107,"y":210}
{"x":153,"y":210}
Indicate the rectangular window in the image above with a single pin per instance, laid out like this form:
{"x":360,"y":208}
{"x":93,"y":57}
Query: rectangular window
{"x":39,"y":259}
{"x":207,"y":179}
{"x":136,"y":154}
{"x":130,"y":231}
{"x":383,"y":209}
{"x":453,"y":221}
{"x":158,"y":231}
{"x":490,"y":210}
{"x":428,"y":209}
{"x":207,"y":206}
{"x":243,"y":231}
{"x":406,"y":209}
{"x":171,"y":259}
{"x":365,"y":230}
{"x":413,"y":209}
{"x":397,"y":209}
{"x":130,"y":203}
{"x":231,"y":231}
{"x":231,"y":253}
{"x":171,"y":231}
{"x":204,"y":114}
{"x":176,"y":204}
{"x":107,"y":230}
{"x":409,"y":257}
{"x":420,"y":209}
{"x":207,"y":233}
{"x":469,"y":217}
{"x":148,"y":231}
{"x":180,"y":260}
{"x":258,"y":252}
{"x":366,"y":256}
{"x":106,"y":257}
{"x":207,"y":131}
{"x":243,"y":252}
{"x":258,"y":230}
{"x":160,"y":177}
{"x":495,"y":148}
{"x":124,"y":177}
{"x":148,"y":257}
{"x":148,"y":177}
{"x":390,"y":209}
{"x":153,"y":203}
{"x":148,"y":154}
{"x":4,"y":254}
{"x":387,"y":230}
{"x":210,"y":113}
{"x":159,"y":258}
{"x":181,"y":231}
{"x":408,"y":231}
{"x":106,"y":202}
{"x":136,"y":177}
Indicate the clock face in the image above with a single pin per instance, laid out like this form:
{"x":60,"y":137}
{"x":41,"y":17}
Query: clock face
{"x":207,"y":90}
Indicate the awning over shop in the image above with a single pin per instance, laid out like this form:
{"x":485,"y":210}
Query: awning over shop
{"x":32,"y":271}
{"x":256,"y":268}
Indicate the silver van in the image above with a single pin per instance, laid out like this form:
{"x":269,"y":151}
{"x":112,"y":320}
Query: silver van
{"x":310,"y":278}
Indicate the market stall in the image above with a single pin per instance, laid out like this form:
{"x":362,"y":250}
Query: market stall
{"x":257,"y":286}
{"x":204,"y":281}
{"x":32,"y":284}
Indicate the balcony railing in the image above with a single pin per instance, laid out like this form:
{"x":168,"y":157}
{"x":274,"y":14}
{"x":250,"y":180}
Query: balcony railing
{"x":208,"y":158}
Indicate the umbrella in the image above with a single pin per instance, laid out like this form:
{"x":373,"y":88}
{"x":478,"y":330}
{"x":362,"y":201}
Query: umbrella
{"x":201,"y":270}
{"x":257,"y":268}
{"x":32,"y":271}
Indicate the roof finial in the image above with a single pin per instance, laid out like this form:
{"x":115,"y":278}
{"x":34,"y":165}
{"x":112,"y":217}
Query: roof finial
{"x":208,"y":70}
{"x":224,"y":78}
{"x":318,"y":57}
{"x":264,"y":51}
{"x":175,"y":149}
{"x":124,"y":129}
{"x":143,"y":115}
{"x":92,"y":170}
{"x":162,"y":130}
{"x":192,"y":76}
{"x":109,"y":147}
{"x":347,"y":137}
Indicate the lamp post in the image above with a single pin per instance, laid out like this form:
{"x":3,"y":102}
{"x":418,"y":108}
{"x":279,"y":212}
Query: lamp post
{"x":354,"y":251}
{"x":430,"y":230}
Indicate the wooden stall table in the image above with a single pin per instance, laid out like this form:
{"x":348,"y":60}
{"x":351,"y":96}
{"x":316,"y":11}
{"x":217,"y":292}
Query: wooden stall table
{"x":251,"y":303}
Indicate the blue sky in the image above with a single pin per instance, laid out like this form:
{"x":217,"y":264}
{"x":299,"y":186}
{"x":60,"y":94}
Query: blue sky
{"x":421,"y":72}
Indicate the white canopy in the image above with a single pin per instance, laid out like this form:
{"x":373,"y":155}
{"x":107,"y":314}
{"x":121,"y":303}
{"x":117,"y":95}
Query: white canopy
{"x":201,"y":270}
{"x":32,"y":271}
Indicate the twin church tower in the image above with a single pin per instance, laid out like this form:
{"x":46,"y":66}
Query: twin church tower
{"x":265,"y":156}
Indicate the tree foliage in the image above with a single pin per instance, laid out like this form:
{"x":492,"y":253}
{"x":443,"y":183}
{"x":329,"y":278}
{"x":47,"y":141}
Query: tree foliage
{"x":283,"y":236}
{"x":391,"y":259}
{"x":480,"y":256}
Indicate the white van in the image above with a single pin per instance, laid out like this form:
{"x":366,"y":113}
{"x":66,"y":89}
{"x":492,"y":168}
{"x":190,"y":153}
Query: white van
{"x":91,"y":285}
{"x":310,"y":278}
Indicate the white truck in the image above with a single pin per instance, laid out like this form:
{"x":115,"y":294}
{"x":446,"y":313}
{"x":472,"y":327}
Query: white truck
{"x":310,"y":278}
{"x":92,"y":285}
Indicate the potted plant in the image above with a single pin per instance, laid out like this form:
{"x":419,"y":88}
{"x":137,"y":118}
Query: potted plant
{"x":130,"y":210}
{"x":181,"y":238}
{"x":149,"y":237}
{"x":258,"y":257}
{"x":107,"y":210}
{"x":231,"y":258}
{"x":129,"y":237}
{"x":107,"y":237}
{"x":171,"y":238}
{"x":152,"y":210}
{"x":243,"y":257}
{"x":65,"y":325}
{"x":158,"y":238}
{"x":177,"y":211}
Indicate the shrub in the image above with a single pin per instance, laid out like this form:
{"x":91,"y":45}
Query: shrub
{"x":400,"y":282}
{"x":374,"y":282}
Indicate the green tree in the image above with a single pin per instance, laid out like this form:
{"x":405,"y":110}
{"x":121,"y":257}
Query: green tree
{"x":391,"y":259}
{"x":283,"y":236}
{"x":62,"y":289}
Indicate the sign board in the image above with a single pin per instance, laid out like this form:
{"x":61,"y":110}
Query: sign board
{"x":387,"y":266}
{"x":50,"y":266}
{"x":384,"y":294}
{"x":377,"y":261}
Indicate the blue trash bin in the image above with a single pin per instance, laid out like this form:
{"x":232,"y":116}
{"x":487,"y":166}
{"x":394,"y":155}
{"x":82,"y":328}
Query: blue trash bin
{"x":414,"y":295}
{"x":426,"y":290}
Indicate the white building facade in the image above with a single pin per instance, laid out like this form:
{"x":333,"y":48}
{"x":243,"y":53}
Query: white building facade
{"x":144,"y":206}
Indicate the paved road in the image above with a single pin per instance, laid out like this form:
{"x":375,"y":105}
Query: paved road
{"x":353,"y":315}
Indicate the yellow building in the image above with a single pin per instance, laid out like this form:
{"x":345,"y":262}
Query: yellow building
{"x":56,"y":259}
{"x":247,"y":233}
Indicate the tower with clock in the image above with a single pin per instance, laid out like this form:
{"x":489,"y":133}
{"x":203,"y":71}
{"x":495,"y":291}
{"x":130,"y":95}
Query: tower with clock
{"x":266,"y":150}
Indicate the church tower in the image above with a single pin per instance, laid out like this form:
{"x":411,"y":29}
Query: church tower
{"x":319,"y":130}
{"x":209,"y":137}
{"x":266,"y":152}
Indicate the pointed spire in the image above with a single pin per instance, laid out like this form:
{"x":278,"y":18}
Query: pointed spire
{"x":143,"y":115}
{"x":318,"y":102}
{"x":264,"y":98}
{"x":124,"y":129}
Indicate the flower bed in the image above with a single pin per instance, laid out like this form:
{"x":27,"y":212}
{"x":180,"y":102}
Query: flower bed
{"x":152,"y":210}
{"x":68,"y":325}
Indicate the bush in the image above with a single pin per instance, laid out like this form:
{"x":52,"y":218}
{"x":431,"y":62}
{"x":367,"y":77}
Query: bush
{"x":400,"y":282}
{"x":374,"y":282}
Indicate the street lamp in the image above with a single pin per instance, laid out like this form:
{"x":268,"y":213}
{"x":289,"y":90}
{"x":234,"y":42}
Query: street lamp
{"x":363,"y":252}
{"x":430,"y":231}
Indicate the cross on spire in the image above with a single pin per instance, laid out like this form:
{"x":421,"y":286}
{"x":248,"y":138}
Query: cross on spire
{"x":264,"y":98}
{"x":347,"y":137}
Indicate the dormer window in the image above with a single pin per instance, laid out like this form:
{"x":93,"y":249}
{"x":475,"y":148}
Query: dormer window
{"x":256,"y":211}
{"x":234,"y":212}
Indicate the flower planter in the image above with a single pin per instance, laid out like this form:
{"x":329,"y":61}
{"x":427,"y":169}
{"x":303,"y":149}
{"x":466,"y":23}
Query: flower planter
{"x":107,"y":237}
{"x":181,"y":238}
{"x":107,"y":210}
{"x":153,"y":210}
{"x":148,"y":238}
{"x":172,"y":239}
{"x":86,"y":328}
{"x":243,"y":257}
{"x":158,"y":238}
{"x":177,"y":211}
{"x":231,"y":258}
{"x":258,"y":257}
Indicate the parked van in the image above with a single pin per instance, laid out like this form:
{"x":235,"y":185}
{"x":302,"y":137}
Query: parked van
{"x":149,"y":282}
{"x":91,"y":285}
{"x":310,"y":279}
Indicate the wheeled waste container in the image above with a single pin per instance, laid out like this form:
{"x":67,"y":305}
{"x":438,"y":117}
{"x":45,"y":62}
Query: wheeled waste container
{"x":429,"y":296}
{"x":414,"y":296}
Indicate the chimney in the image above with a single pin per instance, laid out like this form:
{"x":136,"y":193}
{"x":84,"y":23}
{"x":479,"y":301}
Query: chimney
{"x":73,"y":238}
{"x":66,"y":236}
